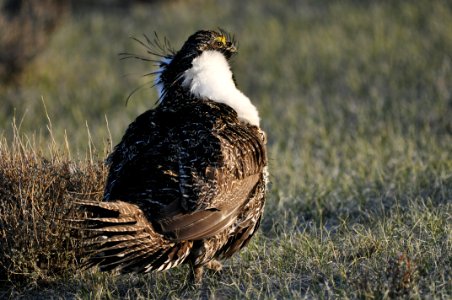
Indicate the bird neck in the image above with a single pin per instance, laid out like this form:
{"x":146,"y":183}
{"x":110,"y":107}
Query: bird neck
{"x":210,"y":77}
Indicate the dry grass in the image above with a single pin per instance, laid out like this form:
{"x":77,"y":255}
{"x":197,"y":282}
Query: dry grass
{"x":36,"y":193}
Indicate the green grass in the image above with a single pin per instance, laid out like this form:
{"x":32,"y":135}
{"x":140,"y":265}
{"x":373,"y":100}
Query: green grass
{"x":356,"y":99}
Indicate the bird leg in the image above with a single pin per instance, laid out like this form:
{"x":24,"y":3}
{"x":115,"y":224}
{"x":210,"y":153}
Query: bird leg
{"x":197,"y":272}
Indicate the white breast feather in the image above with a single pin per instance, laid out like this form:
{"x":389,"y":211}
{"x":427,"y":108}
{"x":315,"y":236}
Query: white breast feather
{"x":210,"y":77}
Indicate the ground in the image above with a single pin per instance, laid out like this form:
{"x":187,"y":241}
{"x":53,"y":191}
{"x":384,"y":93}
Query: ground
{"x":356,"y":100}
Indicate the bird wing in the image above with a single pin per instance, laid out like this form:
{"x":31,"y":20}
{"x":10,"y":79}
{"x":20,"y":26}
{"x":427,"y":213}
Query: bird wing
{"x":194,"y":180}
{"x":213,"y":191}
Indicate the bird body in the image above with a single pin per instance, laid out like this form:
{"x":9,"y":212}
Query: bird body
{"x":187,"y":182}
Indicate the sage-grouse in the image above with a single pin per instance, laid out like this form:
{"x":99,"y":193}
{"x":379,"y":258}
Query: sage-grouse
{"x":187,"y":182}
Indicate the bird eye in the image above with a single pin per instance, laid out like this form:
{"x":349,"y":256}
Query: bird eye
{"x":220,"y":41}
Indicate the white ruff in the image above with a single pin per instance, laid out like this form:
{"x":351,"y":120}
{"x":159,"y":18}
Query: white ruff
{"x":210,"y":77}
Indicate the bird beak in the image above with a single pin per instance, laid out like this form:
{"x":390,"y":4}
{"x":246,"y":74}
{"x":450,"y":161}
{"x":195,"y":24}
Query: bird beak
{"x":231,"y":48}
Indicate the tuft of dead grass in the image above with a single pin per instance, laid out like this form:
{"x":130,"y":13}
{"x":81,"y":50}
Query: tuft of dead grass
{"x":36,"y":192}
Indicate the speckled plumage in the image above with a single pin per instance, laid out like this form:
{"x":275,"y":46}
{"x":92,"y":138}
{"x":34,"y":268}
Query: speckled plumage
{"x":186,"y":183}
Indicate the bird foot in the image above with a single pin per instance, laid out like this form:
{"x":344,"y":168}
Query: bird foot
{"x":198,"y":271}
{"x":214,"y":265}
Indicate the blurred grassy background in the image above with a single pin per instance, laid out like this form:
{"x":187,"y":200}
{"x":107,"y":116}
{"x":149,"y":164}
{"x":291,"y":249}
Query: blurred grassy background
{"x":356,"y":98}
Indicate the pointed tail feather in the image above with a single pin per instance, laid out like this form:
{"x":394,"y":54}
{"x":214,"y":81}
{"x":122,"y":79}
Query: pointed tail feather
{"x":117,"y":236}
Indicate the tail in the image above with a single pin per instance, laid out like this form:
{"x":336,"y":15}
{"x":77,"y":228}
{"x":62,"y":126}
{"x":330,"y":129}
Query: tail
{"x":117,"y":236}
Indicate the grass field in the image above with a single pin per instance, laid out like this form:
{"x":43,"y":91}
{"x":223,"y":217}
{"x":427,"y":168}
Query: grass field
{"x":356,"y":99}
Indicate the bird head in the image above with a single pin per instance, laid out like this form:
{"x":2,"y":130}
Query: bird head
{"x":172,"y":67}
{"x":205,"y":40}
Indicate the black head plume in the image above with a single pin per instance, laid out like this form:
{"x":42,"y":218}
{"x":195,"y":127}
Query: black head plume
{"x":158,"y":50}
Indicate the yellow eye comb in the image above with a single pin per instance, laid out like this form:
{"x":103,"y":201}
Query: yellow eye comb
{"x":221,"y":39}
